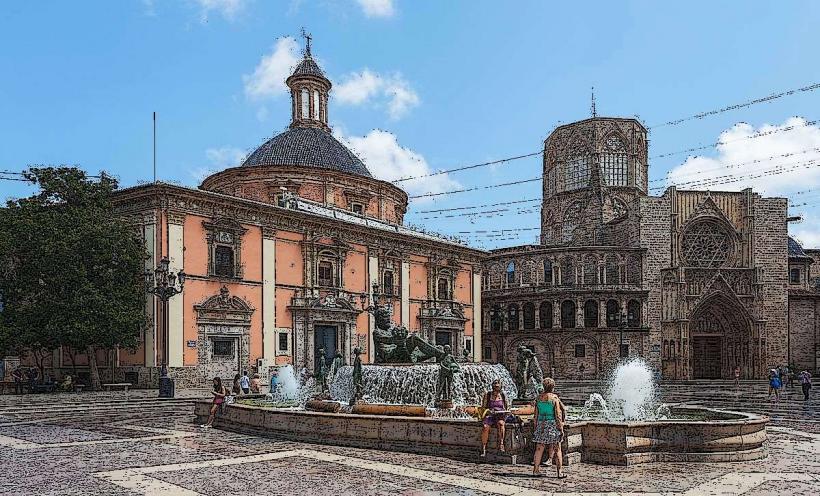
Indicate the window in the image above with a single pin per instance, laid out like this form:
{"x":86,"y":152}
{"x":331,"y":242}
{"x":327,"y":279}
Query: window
{"x":567,"y":314}
{"x":283,"y":341}
{"x":496,"y":318}
{"x":612,"y":313}
{"x":548,"y":272}
{"x":633,"y":313}
{"x":357,"y":208}
{"x":488,"y":353}
{"x":326,"y":273}
{"x":580,"y":350}
{"x":223,"y":261}
{"x":305,"y":103}
{"x":577,"y":175}
{"x":612,"y":271}
{"x":387,"y":282}
{"x":442,"y":338}
{"x":316,"y":105}
{"x":223,"y":347}
{"x":512,"y":317}
{"x":443,"y":289}
{"x":591,"y":313}
{"x":545,"y":314}
{"x":529,"y":316}
{"x":511,"y":273}
{"x":567,"y":273}
{"x":707,"y":243}
{"x":624,"y":350}
{"x":614,"y":166}
{"x":794,"y":276}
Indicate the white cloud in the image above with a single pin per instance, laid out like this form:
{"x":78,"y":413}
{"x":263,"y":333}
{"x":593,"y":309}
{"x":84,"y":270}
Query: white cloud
{"x":262,"y":114}
{"x":268,"y":79}
{"x":388,"y":160}
{"x":226,"y":156}
{"x":742,"y":163}
{"x":367,"y":86}
{"x":228,"y":9}
{"x":377,"y":8}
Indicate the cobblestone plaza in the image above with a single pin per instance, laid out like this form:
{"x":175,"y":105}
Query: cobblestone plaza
{"x":132,"y":443}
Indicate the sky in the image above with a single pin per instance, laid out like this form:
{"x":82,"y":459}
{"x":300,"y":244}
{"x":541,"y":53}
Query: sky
{"x":419,"y":86}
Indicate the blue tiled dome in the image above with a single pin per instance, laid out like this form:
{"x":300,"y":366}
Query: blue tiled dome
{"x":307,"y":147}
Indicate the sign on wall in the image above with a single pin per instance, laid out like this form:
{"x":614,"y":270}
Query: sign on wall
{"x":191,"y":343}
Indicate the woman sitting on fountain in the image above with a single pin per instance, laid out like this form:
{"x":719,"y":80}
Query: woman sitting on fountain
{"x":549,"y":428}
{"x":495,"y":402}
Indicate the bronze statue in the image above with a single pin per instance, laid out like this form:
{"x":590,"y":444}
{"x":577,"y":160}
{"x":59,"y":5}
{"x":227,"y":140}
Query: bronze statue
{"x":357,"y":376}
{"x":448,"y":367}
{"x":521,"y":370}
{"x":528,"y":375}
{"x":338,"y":362}
{"x":394,"y":344}
{"x":321,"y":371}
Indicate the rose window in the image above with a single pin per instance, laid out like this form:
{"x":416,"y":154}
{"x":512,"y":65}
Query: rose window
{"x":706,"y":244}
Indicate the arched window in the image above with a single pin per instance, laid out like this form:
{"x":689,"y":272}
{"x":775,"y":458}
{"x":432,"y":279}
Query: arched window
{"x":511,"y":273}
{"x":305,"y":98}
{"x":633,"y":313}
{"x":614,"y":163}
{"x":326,"y":274}
{"x":567,"y":272}
{"x":529,"y":316}
{"x":567,"y":314}
{"x":612,"y":317}
{"x":590,"y":271}
{"x":545,"y":315}
{"x":548,"y":272}
{"x":443,"y":288}
{"x":316,"y":105}
{"x":387,"y":281}
{"x":496,"y":318}
{"x":591,"y":313}
{"x":612,"y":271}
{"x":512,"y":317}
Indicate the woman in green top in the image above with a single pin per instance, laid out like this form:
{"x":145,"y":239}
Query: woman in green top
{"x":549,"y":428}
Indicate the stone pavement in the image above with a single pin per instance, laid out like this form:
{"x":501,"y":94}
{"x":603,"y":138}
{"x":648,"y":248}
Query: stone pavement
{"x":132,"y":444}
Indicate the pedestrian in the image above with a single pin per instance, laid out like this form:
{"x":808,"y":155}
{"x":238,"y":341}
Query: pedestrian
{"x":17,"y":375}
{"x":274,"y":380}
{"x":774,"y":384}
{"x":549,"y":428}
{"x":737,"y":377}
{"x":237,"y":389}
{"x":219,"y":394}
{"x":496,"y":411}
{"x":245,"y":382}
{"x":786,"y":379}
{"x":255,"y":383}
{"x":805,"y":383}
{"x":32,"y":375}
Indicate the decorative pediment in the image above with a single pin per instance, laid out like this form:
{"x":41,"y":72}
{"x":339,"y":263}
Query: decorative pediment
{"x":709,"y":209}
{"x":224,"y":309}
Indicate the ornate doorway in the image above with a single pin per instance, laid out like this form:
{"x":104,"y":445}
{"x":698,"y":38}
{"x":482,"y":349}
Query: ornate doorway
{"x":720,"y":339}
{"x":324,"y":336}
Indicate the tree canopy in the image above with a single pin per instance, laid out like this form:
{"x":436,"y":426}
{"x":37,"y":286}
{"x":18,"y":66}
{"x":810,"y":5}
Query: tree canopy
{"x":71,"y":270}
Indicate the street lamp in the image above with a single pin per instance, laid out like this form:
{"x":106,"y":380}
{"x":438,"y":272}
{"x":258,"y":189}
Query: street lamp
{"x":622,"y":321}
{"x":498,"y":317}
{"x":165,"y":284}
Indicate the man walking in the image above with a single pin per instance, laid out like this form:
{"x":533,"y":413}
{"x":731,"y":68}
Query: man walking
{"x":805,"y":383}
{"x":245,"y":382}
{"x":17,"y":375}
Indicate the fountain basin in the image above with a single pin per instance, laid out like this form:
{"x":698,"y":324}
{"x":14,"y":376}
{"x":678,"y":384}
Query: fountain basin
{"x":728,"y":436}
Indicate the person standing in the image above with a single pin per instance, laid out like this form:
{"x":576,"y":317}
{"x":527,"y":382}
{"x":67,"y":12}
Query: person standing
{"x":17,"y":375}
{"x":219,"y":394}
{"x":774,"y":385}
{"x":549,"y":428}
{"x":245,"y":382}
{"x":805,"y":384}
{"x":737,"y":377}
{"x":236,"y":389}
{"x":255,"y":383}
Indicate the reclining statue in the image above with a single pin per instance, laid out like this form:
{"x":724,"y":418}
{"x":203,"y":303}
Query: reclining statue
{"x":395,"y":344}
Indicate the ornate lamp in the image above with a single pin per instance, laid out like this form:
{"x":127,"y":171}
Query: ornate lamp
{"x":165,"y":284}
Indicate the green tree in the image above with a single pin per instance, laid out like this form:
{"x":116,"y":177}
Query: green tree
{"x":70,"y":269}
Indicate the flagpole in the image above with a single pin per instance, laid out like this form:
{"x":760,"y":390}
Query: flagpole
{"x":155,"y":147}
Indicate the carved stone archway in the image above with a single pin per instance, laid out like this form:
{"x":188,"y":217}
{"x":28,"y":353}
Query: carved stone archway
{"x":720,"y":338}
{"x":223,"y":336}
{"x":329,"y":309}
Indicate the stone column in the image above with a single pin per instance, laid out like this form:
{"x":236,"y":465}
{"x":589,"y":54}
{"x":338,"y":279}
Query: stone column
{"x":405,"y":293}
{"x":579,"y":313}
{"x":602,"y":314}
{"x":556,"y":314}
{"x":176,"y":305}
{"x":477,"y":349}
{"x":269,"y":341}
{"x":372,"y":278}
{"x":150,"y":230}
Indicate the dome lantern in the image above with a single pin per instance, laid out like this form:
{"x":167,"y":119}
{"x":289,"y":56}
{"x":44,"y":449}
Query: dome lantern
{"x":309,"y":90}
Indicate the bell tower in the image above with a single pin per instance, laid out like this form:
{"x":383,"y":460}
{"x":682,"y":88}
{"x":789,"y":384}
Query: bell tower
{"x":309,"y":89}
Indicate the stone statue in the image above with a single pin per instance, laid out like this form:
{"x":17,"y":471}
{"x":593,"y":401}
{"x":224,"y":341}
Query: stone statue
{"x":535,"y":376}
{"x":338,"y":362}
{"x":465,"y":355}
{"x":321,"y":371}
{"x":358,"y":385}
{"x":448,"y":367}
{"x":394,"y":344}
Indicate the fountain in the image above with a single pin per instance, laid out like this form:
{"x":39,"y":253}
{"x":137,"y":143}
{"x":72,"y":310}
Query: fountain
{"x":418,"y":398}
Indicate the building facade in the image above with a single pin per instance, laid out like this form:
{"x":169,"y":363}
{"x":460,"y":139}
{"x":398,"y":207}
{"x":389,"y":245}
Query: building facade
{"x":696,"y":282}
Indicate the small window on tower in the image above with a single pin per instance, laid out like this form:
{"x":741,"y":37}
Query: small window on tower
{"x":357,"y":208}
{"x":316,"y":105}
{"x":305,"y":104}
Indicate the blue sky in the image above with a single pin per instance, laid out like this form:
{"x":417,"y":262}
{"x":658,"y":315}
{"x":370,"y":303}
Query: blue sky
{"x":454,"y":83}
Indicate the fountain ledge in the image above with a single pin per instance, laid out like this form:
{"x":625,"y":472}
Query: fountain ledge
{"x":739,"y":438}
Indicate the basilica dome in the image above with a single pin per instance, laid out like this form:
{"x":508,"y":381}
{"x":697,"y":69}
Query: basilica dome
{"x":307,"y":147}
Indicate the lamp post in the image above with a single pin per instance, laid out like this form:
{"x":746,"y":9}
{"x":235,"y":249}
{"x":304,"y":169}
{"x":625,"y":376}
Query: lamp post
{"x":165,"y":284}
{"x":622,"y":321}
{"x":497,"y":317}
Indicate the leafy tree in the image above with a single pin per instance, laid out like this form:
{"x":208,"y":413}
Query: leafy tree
{"x":70,"y":269}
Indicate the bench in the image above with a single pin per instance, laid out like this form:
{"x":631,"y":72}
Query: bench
{"x":44,"y":388}
{"x":110,"y":386}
